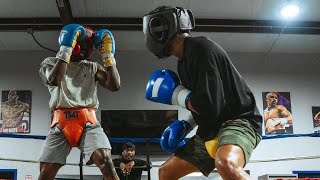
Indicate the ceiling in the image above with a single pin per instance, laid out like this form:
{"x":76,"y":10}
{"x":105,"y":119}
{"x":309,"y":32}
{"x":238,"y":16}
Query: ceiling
{"x":237,"y":25}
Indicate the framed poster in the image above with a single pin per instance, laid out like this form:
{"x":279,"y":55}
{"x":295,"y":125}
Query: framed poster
{"x":15,"y":111}
{"x":8,"y":174}
{"x":316,"y":118}
{"x":277,"y":113}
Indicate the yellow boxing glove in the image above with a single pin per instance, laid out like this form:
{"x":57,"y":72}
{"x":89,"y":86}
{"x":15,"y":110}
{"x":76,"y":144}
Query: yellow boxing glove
{"x":104,"y":43}
{"x":212,"y":147}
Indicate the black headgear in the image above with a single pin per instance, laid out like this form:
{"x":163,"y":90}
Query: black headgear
{"x":128,"y":145}
{"x":161,"y":25}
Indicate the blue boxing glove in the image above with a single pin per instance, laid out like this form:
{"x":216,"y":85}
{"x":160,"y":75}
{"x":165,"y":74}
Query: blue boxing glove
{"x":164,"y":87}
{"x":105,"y":45}
{"x":68,"y":38}
{"x":173,"y":137}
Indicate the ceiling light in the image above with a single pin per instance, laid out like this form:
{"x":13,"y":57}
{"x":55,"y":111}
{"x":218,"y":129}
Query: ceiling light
{"x":290,"y":11}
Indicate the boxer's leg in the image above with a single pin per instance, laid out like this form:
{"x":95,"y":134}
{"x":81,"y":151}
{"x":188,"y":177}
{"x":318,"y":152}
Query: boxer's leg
{"x":192,"y":157}
{"x":237,"y":139}
{"x":54,"y":152}
{"x":102,"y":158}
{"x":96,"y":148}
{"x":175,"y":168}
{"x":48,"y":171}
{"x":230,"y":161}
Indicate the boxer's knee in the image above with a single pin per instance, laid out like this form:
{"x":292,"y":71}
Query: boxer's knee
{"x":100,"y":157}
{"x":105,"y":161}
{"x":229,"y":157}
{"x":163,"y":172}
{"x":225,"y":164}
{"x":166,"y":171}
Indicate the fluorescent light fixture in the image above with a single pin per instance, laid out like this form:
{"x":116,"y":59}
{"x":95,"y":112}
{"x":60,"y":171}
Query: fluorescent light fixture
{"x":290,"y":11}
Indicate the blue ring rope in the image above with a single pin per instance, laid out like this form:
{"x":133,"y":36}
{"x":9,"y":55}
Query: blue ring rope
{"x":155,"y":140}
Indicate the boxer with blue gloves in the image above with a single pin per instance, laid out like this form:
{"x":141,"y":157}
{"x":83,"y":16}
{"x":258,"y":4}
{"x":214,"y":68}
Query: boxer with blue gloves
{"x":71,"y":79}
{"x":104,"y":43}
{"x":69,"y":36}
{"x":164,"y":87}
{"x":173,"y":137}
{"x":211,"y":88}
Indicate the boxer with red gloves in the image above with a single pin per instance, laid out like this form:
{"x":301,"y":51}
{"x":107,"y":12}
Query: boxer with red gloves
{"x":211,"y":88}
{"x":71,"y":80}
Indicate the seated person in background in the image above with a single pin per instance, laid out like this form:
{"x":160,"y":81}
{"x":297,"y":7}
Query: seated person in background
{"x":125,"y":164}
{"x":276,"y":116}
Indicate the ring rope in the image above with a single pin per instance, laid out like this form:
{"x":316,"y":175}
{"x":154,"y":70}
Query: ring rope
{"x":251,"y":161}
{"x":136,"y":140}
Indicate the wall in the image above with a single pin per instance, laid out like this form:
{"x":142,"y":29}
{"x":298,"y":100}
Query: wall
{"x":294,"y":73}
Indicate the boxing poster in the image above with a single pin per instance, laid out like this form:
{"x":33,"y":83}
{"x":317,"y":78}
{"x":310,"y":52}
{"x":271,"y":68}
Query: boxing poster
{"x":8,"y":174}
{"x":316,"y":118}
{"x":15,"y":111}
{"x":277,"y":115}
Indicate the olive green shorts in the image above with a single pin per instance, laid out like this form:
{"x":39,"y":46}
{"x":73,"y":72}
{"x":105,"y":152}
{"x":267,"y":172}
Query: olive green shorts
{"x":238,"y":132}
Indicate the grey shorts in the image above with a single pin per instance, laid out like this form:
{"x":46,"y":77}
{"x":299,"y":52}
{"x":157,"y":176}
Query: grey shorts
{"x":56,"y":148}
{"x":238,"y":132}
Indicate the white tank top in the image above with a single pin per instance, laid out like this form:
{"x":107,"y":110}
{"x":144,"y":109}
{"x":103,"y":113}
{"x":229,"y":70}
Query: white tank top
{"x":78,"y":87}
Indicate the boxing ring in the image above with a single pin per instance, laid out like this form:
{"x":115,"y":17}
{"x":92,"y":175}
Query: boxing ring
{"x":255,"y":160}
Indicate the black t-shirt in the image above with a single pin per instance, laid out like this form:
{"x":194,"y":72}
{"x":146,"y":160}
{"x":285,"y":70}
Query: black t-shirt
{"x":219,"y":92}
{"x":135,"y":172}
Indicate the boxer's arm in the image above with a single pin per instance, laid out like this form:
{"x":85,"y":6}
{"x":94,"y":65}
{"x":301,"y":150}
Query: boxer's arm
{"x":286,"y":114}
{"x":317,"y":116}
{"x":108,"y":78}
{"x":68,"y":37}
{"x":271,"y":125}
{"x":18,"y":112}
{"x":56,"y":74}
{"x":105,"y":44}
{"x":207,"y":92}
{"x":25,"y":106}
